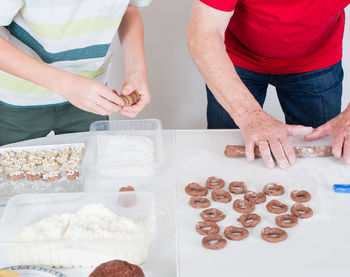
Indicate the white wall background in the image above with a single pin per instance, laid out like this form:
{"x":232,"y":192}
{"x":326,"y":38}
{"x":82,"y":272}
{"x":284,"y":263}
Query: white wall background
{"x":177,"y":89}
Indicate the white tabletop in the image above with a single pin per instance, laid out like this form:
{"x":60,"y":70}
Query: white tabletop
{"x":316,"y":247}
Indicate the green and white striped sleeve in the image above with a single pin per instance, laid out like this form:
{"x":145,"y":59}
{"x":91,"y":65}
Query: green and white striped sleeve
{"x":140,"y":3}
{"x":8,"y":10}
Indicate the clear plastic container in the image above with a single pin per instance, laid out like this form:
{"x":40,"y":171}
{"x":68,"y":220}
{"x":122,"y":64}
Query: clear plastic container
{"x":23,"y":210}
{"x":130,"y":130}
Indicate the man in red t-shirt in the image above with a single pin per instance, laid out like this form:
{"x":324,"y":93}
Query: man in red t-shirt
{"x":242,"y":46}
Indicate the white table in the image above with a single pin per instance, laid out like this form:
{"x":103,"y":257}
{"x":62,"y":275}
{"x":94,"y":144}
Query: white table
{"x":317,"y":247}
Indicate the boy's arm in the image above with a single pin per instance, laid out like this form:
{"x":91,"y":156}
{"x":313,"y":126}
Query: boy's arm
{"x":86,"y":94}
{"x":131,"y":38}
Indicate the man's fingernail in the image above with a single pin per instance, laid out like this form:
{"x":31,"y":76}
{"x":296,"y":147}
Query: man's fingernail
{"x":284,"y":165}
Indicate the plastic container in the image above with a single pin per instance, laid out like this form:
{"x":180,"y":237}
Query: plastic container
{"x":150,"y":130}
{"x":23,"y":210}
{"x":9,"y":188}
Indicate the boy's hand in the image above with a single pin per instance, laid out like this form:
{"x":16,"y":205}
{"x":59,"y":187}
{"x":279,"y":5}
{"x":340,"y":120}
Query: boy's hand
{"x":90,"y":95}
{"x":136,"y":81}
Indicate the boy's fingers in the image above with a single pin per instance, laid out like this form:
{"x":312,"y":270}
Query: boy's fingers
{"x":111,"y":96}
{"x":127,"y":89}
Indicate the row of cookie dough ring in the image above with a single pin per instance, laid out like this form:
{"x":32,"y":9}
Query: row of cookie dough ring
{"x":236,"y":233}
{"x":238,"y":187}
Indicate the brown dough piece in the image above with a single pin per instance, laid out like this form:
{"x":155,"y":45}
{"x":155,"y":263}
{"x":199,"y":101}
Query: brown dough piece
{"x":258,"y":197}
{"x":212,"y":215}
{"x":219,"y":243}
{"x":237,"y":187}
{"x":300,"y":211}
{"x":286,"y":220}
{"x":236,"y":233}
{"x":195,"y":189}
{"x":276,"y":207}
{"x":300,"y":196}
{"x":215,"y":183}
{"x":214,"y":228}
{"x":199,"y":202}
{"x":238,"y":151}
{"x":131,"y":99}
{"x":127,"y":200}
{"x":117,"y":268}
{"x":273,"y":234}
{"x":221,"y":195}
{"x":273,"y":189}
{"x":249,"y":220}
{"x":243,"y":206}
{"x":128,"y":188}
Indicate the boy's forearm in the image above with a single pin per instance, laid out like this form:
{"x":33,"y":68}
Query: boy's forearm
{"x":18,"y":63}
{"x":131,"y":36}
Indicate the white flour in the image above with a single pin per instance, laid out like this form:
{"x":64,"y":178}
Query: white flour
{"x":126,"y":155}
{"x":88,"y":237}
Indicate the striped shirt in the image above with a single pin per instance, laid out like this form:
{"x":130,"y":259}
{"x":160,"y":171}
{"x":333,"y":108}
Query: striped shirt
{"x":72,"y":35}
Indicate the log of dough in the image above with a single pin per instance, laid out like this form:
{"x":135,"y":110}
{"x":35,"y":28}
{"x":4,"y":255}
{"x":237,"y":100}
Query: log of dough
{"x":238,"y":151}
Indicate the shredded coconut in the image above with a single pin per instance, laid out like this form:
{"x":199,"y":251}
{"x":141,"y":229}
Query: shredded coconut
{"x":126,"y":155}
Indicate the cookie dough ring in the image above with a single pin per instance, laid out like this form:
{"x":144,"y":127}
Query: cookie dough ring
{"x":212,"y":215}
{"x":219,"y":243}
{"x":195,"y":189}
{"x":286,"y":220}
{"x":243,"y":206}
{"x":237,"y":187}
{"x":249,"y":220}
{"x":276,"y":207}
{"x":221,"y":195}
{"x":258,"y":197}
{"x":235,"y":233}
{"x":300,"y":211}
{"x":214,"y":228}
{"x":273,"y":189}
{"x":273,"y":235}
{"x":300,"y":196}
{"x":199,"y":202}
{"x":214,"y":183}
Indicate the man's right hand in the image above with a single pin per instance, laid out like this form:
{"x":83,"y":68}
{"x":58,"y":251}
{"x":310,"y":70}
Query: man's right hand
{"x":271,"y":136}
{"x":89,"y":95}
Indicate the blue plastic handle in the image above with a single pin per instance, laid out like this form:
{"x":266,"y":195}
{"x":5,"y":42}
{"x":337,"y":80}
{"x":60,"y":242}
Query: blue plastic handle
{"x":341,"y":188}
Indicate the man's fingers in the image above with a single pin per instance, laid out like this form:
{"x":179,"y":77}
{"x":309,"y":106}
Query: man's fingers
{"x":278,"y":153}
{"x":346,"y":150}
{"x":337,"y":146}
{"x":288,"y":149}
{"x":249,"y":150}
{"x":265,"y":152}
{"x":298,"y":130}
{"x":318,"y":133}
{"x":111,"y":96}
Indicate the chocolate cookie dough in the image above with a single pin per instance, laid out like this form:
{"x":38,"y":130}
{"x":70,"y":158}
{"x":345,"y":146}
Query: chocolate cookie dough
{"x":117,"y":268}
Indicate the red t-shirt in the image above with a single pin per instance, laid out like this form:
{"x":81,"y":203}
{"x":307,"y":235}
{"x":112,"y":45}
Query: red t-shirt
{"x":283,"y":36}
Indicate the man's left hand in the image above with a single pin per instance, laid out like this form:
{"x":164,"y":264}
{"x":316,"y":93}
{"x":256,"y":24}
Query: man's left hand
{"x":339,"y":128}
{"x":135,"y":81}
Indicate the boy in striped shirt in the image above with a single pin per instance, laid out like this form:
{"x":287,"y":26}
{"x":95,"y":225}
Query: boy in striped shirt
{"x":54,"y":60}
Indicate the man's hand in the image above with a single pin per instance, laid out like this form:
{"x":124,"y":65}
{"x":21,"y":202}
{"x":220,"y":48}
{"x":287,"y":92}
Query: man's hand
{"x":136,"y":81}
{"x":271,"y":136}
{"x":339,"y":128}
{"x":89,"y":95}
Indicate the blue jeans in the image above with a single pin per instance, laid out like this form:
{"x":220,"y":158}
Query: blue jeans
{"x":309,"y":99}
